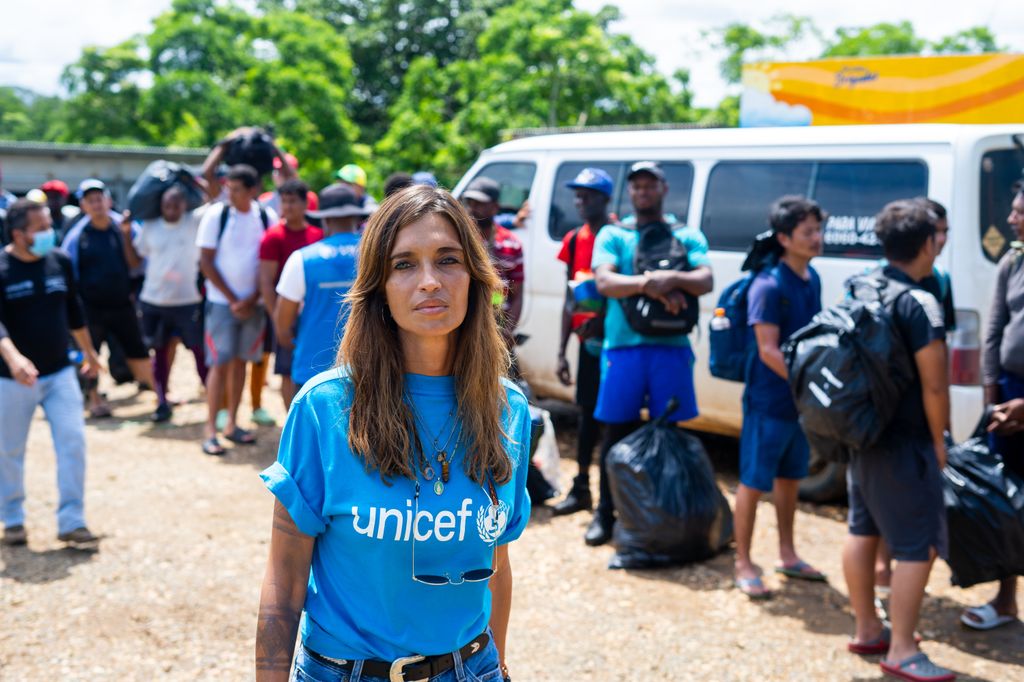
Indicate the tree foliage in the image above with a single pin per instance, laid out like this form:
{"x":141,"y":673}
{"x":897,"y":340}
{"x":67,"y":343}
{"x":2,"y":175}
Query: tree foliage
{"x":539,"y":63}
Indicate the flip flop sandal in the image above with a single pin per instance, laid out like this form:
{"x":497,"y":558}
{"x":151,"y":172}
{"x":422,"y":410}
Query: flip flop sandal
{"x":753,"y":588}
{"x":101,"y":412}
{"x":988,"y":618}
{"x":802,"y":570}
{"x":918,"y":668}
{"x":240,"y":437}
{"x":878,"y":646}
{"x":211,"y":446}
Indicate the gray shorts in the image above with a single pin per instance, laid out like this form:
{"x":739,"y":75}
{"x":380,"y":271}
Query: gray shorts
{"x":228,"y":338}
{"x":897,"y":494}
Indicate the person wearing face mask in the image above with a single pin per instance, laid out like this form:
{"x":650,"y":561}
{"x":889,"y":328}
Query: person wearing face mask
{"x":39,"y":313}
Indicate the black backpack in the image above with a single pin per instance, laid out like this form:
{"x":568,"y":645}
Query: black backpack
{"x":225,"y":214}
{"x":254,"y":147}
{"x":850,"y":368}
{"x":658,"y":248}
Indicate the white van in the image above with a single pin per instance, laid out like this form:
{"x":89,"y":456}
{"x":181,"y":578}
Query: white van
{"x":723,"y":181}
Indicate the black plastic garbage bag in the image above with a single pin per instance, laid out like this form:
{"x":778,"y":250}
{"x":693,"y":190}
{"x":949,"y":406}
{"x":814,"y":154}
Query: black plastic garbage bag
{"x":985,"y":513}
{"x":670,"y":510}
{"x":159,"y":176}
{"x":536,"y":485}
{"x":253,"y":146}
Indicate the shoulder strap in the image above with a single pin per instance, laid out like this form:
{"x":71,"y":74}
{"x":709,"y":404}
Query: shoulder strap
{"x":572,"y":251}
{"x":223,"y":220}
{"x":263,"y":217}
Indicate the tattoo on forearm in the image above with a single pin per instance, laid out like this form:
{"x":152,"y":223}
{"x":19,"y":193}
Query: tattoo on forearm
{"x":275,"y":638}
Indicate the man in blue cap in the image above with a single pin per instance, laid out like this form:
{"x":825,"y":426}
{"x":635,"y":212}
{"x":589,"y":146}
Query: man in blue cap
{"x":593,"y":191}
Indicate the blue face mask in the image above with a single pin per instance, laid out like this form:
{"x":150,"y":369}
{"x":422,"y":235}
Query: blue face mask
{"x":43,"y":243}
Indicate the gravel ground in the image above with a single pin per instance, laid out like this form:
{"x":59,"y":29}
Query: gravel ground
{"x":173,"y":591}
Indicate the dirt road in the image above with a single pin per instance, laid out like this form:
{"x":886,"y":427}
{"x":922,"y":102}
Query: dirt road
{"x":172,"y":593}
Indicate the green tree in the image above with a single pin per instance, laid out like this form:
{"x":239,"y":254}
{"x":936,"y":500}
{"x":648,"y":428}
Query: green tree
{"x":879,"y":39}
{"x":26,"y":115}
{"x":387,"y":36}
{"x":974,"y":40}
{"x":540,"y":63}
{"x":743,"y":42}
{"x":104,"y":95}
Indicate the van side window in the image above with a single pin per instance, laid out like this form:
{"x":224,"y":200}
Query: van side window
{"x":1000,"y":168}
{"x":739,"y":194}
{"x":515,"y":178}
{"x":678,"y":177}
{"x":563,"y":216}
{"x":853,"y":192}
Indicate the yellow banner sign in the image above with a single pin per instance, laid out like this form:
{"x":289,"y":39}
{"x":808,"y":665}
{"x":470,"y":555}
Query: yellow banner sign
{"x":849,"y":91}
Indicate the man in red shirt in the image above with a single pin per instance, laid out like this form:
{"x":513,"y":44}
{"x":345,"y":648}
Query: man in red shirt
{"x":279,"y":242}
{"x":593,"y":189}
{"x":481,"y":200}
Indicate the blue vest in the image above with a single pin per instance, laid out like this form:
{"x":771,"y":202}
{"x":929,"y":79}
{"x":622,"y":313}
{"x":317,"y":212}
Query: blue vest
{"x":329,"y":267}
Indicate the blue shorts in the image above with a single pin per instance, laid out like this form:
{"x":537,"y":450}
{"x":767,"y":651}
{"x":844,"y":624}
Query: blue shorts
{"x":645,"y":376}
{"x":771,"y":448}
{"x":896,"y":493}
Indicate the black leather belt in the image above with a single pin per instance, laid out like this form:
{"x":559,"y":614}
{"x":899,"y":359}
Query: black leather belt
{"x":410,"y":668}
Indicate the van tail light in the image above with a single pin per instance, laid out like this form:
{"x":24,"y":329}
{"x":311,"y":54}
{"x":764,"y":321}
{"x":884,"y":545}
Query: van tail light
{"x":965,"y":350}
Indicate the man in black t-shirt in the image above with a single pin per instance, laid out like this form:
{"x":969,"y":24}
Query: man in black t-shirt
{"x":98,"y":248}
{"x":39,"y":313}
{"x":895,"y":488}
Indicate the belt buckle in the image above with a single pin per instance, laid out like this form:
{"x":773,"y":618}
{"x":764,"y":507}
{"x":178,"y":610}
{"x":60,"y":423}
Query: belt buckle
{"x":397,"y":673}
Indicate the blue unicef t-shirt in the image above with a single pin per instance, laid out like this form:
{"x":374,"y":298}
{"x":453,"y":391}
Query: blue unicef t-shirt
{"x":329,"y":269}
{"x":616,"y":246}
{"x":781,"y":297}
{"x":362,"y":602}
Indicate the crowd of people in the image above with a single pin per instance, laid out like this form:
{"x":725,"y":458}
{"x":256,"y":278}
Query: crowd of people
{"x":247,"y":279}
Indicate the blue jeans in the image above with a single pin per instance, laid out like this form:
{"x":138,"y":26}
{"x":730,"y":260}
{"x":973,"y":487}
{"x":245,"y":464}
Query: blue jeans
{"x":61,"y":399}
{"x":483,"y":667}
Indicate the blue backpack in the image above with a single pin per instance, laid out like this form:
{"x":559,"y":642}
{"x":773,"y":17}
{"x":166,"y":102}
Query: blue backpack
{"x":732,"y":346}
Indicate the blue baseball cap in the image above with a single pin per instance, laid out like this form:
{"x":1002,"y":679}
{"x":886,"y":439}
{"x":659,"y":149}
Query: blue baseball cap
{"x":424,"y":178}
{"x":595,"y":179}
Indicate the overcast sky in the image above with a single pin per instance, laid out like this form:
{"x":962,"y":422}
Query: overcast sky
{"x":36,"y":45}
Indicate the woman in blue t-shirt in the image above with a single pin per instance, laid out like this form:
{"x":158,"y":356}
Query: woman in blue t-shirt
{"x":401,"y":476}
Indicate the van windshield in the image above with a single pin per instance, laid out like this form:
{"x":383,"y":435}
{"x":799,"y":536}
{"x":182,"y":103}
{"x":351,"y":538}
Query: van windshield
{"x":1000,"y":169}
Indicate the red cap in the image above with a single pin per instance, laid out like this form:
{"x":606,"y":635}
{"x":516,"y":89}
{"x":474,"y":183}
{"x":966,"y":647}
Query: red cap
{"x":292,"y":161}
{"x":55,"y":186}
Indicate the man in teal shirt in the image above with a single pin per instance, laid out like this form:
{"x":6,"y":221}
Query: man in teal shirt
{"x":640,"y":371}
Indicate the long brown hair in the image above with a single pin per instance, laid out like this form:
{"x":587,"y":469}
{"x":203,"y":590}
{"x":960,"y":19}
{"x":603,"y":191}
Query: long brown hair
{"x":381,"y":426}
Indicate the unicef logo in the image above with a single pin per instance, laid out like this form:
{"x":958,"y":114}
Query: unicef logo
{"x":491,"y":521}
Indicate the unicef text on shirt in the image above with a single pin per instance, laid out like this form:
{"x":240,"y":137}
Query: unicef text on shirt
{"x":851,"y":231}
{"x":442,"y":526}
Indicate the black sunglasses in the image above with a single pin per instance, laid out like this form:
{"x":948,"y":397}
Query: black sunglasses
{"x":475,"y":575}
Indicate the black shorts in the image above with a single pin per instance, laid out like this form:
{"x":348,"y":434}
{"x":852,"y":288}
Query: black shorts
{"x":897,"y":494}
{"x":588,"y":379}
{"x":161,"y":323}
{"x":122,"y":323}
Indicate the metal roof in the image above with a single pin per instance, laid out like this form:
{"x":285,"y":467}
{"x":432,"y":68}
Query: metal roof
{"x":51,"y":148}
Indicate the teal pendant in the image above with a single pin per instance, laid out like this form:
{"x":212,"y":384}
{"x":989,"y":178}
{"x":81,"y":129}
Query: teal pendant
{"x":438,"y":487}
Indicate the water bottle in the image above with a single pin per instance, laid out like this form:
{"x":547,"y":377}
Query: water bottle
{"x":720,"y":322}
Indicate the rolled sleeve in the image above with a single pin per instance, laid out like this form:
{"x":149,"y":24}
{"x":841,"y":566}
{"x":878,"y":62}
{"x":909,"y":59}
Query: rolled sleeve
{"x":297,"y":478}
{"x":696,"y":247}
{"x":520,"y":514}
{"x":286,"y":490}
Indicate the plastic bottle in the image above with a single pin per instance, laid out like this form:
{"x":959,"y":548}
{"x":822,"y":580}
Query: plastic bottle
{"x":76,"y":356}
{"x":720,"y":322}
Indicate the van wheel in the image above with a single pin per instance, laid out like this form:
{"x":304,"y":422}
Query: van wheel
{"x":826,"y":481}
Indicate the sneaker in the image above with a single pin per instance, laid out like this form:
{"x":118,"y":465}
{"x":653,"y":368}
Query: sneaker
{"x":162,"y":414}
{"x":15,"y":536}
{"x":263,"y":418}
{"x":222,"y":419}
{"x":79,"y":536}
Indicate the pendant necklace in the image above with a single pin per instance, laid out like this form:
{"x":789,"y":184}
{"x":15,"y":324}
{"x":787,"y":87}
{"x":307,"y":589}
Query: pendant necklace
{"x":440,"y":452}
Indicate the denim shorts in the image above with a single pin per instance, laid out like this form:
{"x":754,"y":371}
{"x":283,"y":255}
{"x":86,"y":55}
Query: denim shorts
{"x":483,"y":667}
